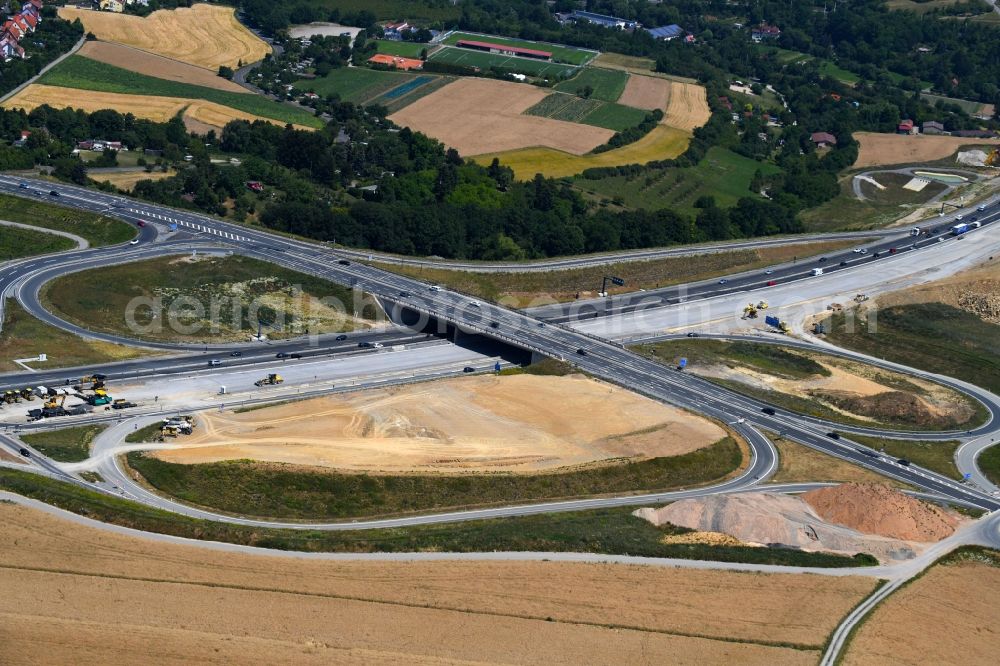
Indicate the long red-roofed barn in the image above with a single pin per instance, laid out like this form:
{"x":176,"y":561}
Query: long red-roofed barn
{"x":504,"y":49}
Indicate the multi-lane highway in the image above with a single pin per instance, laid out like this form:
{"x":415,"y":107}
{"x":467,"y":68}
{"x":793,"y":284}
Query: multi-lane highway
{"x":598,"y":356}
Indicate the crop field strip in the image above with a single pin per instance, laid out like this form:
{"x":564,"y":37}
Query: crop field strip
{"x":562,"y":106}
{"x":356,"y":84}
{"x":86,"y":74}
{"x":607,"y":84}
{"x":468,"y":58}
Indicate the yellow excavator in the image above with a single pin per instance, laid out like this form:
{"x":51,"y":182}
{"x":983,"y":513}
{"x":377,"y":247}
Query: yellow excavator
{"x":993,"y":159}
{"x":762,"y":305}
{"x":269,"y":380}
{"x":750,"y":311}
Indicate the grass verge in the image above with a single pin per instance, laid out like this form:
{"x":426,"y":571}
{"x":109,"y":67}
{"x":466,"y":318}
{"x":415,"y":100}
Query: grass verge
{"x":526,"y":289}
{"x":16,"y":243}
{"x":23,"y":336}
{"x":989,"y":463}
{"x":936,"y":456}
{"x":297,"y":493}
{"x":609,"y":531}
{"x":150,"y":433}
{"x":86,"y":74}
{"x":66,"y":444}
{"x":798,"y":463}
{"x":97,"y":229}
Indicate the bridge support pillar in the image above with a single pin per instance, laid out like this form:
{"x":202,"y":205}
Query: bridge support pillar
{"x":536,"y":357}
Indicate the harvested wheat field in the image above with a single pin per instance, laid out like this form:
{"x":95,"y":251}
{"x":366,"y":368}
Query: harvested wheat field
{"x":476,"y":116}
{"x":203,"y":35}
{"x":151,"y":64}
{"x":947,"y":616}
{"x":151,"y":107}
{"x":126,"y":180}
{"x":646,"y":92}
{"x":131,"y":599}
{"x":687,"y":108}
{"x":882,"y":149}
{"x":660,"y":144}
{"x":520,"y":423}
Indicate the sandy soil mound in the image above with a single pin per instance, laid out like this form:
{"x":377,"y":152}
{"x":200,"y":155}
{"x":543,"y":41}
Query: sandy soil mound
{"x":775,"y":519}
{"x":876,"y":509}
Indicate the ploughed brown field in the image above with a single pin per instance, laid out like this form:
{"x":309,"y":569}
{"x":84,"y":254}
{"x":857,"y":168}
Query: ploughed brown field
{"x":159,"y":66}
{"x":78,"y":594}
{"x":883,"y":149}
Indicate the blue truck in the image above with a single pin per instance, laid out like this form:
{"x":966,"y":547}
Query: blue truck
{"x":959,"y":229}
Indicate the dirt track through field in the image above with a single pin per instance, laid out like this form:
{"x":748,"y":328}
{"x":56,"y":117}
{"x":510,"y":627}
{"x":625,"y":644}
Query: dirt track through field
{"x":151,"y":107}
{"x":151,"y":64}
{"x":883,"y":149}
{"x":203,"y":35}
{"x":522,"y":423}
{"x":477,"y":116}
{"x":133,"y":600}
{"x":646,"y":92}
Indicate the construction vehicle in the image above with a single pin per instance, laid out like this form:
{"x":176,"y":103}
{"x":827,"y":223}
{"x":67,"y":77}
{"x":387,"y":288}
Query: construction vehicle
{"x":181,"y":426}
{"x":750,"y":311}
{"x":96,"y":381}
{"x":783,"y":327}
{"x":993,"y":159}
{"x":122,"y":403}
{"x":861,"y":298}
{"x":270,"y":380}
{"x":762,"y":305}
{"x":11,"y":397}
{"x":98,"y":398}
{"x":28,"y":393}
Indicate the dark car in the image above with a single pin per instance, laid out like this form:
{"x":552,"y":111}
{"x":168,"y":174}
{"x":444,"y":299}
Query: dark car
{"x":771,"y":283}
{"x":236,"y":354}
{"x":823,"y":260}
{"x":295,"y":356}
{"x":843,"y":263}
{"x":404,"y":294}
{"x":365,"y":345}
{"x":904,"y":462}
{"x":768,"y":410}
{"x":344,"y":262}
{"x":23,"y":186}
{"x":892,"y":250}
{"x":53,"y":193}
{"x":494,"y":324}
{"x":468,"y":368}
{"x":281,"y":355}
{"x":877,"y":255}
{"x":140,"y":223}
{"x":26,"y":453}
{"x":692,"y":335}
{"x":833,"y":435}
{"x":581,"y":351}
{"x":340,"y":337}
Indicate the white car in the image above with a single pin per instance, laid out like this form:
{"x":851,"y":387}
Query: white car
{"x":856,"y":250}
{"x":475,"y":304}
{"x":768,"y":272}
{"x":435,"y":288}
{"x":134,"y":241}
{"x":864,"y":251}
{"x":377,"y":345}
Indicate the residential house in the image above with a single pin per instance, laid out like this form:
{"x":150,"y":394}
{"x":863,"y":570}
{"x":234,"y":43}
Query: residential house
{"x":932,"y":127}
{"x":765,"y":32}
{"x":116,"y":6}
{"x":823,"y":139}
{"x":17,"y":26}
{"x":666,"y":32}
{"x":396,"y":29}
{"x":100,"y":145}
{"x":19,"y":143}
{"x":605,"y":21}
{"x":255,"y":185}
{"x":905,"y":127}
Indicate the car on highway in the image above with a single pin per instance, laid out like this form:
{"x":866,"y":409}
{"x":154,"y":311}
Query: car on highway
{"x":723,"y":281}
{"x":692,"y":335}
{"x":843,"y":263}
{"x":340,"y":337}
{"x":876,"y":255}
{"x":541,"y":324}
{"x":468,"y":368}
{"x":892,"y":250}
{"x":494,"y":324}
{"x":214,"y":361}
{"x":25,"y":452}
{"x":823,"y":260}
{"x":476,"y":304}
{"x":864,"y":251}
{"x":134,"y":241}
{"x":768,"y":410}
{"x":377,"y":345}
{"x":365,"y":345}
{"x":856,"y":250}
{"x":434,"y":287}
{"x":281,"y":355}
{"x":904,"y":462}
{"x":833,"y":435}
{"x":23,"y":186}
{"x":344,"y":262}
{"x":981,"y":208}
{"x":236,"y":354}
{"x":53,"y":193}
{"x":404,"y":294}
{"x":768,"y":271}
{"x":140,"y":224}
{"x":295,"y":356}
{"x":581,"y":351}
{"x":771,"y":283}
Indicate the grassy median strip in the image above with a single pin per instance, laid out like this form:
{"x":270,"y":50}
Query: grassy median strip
{"x":937,"y":456}
{"x":608,"y":531}
{"x":97,"y":229}
{"x":16,"y":242}
{"x":289,"y":491}
{"x":66,"y":444}
{"x":989,"y":463}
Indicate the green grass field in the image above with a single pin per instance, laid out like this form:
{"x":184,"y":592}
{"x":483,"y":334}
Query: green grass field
{"x":66,"y":444}
{"x":86,"y":74}
{"x":826,"y":67}
{"x":97,"y":229}
{"x":561,"y":106}
{"x":968,"y":106}
{"x":936,"y":456}
{"x":611,"y":531}
{"x":722,"y":174}
{"x":355,"y":84}
{"x":560,"y":53}
{"x":482,"y":60}
{"x":930,"y":336}
{"x":16,"y":242}
{"x":607,"y":84}
{"x":989,"y":463}
{"x":402,"y":49}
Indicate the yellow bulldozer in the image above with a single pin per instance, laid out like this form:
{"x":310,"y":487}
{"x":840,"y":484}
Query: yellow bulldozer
{"x":993,"y":159}
{"x":750,"y":311}
{"x":762,"y":305}
{"x":270,"y":380}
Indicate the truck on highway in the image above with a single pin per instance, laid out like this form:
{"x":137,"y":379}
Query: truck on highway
{"x":270,"y":380}
{"x":817,"y":271}
{"x":959,"y":229}
{"x":916,"y":231}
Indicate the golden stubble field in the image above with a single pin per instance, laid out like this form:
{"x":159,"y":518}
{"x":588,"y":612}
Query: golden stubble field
{"x":196,"y":112}
{"x":203,"y":35}
{"x":483,"y":424}
{"x":476,"y":116}
{"x":883,"y":149}
{"x":159,"y":66}
{"x":77,"y":594}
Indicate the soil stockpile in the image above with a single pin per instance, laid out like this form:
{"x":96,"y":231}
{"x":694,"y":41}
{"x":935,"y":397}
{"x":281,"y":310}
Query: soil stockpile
{"x":877,"y":509}
{"x":777,"y":520}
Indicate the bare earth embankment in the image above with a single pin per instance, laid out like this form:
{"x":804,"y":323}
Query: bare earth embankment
{"x":883,"y":149}
{"x":476,"y":116}
{"x":521,"y":423}
{"x":131,"y":600}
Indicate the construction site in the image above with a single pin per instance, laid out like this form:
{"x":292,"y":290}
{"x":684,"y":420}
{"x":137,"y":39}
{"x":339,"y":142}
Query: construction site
{"x":84,"y":396}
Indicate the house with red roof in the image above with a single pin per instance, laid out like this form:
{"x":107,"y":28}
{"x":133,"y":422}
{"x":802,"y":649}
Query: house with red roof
{"x":17,"y":26}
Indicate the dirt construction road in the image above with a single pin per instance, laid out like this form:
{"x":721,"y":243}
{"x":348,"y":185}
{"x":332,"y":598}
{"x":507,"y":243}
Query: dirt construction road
{"x":75,"y":594}
{"x":519,"y":423}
